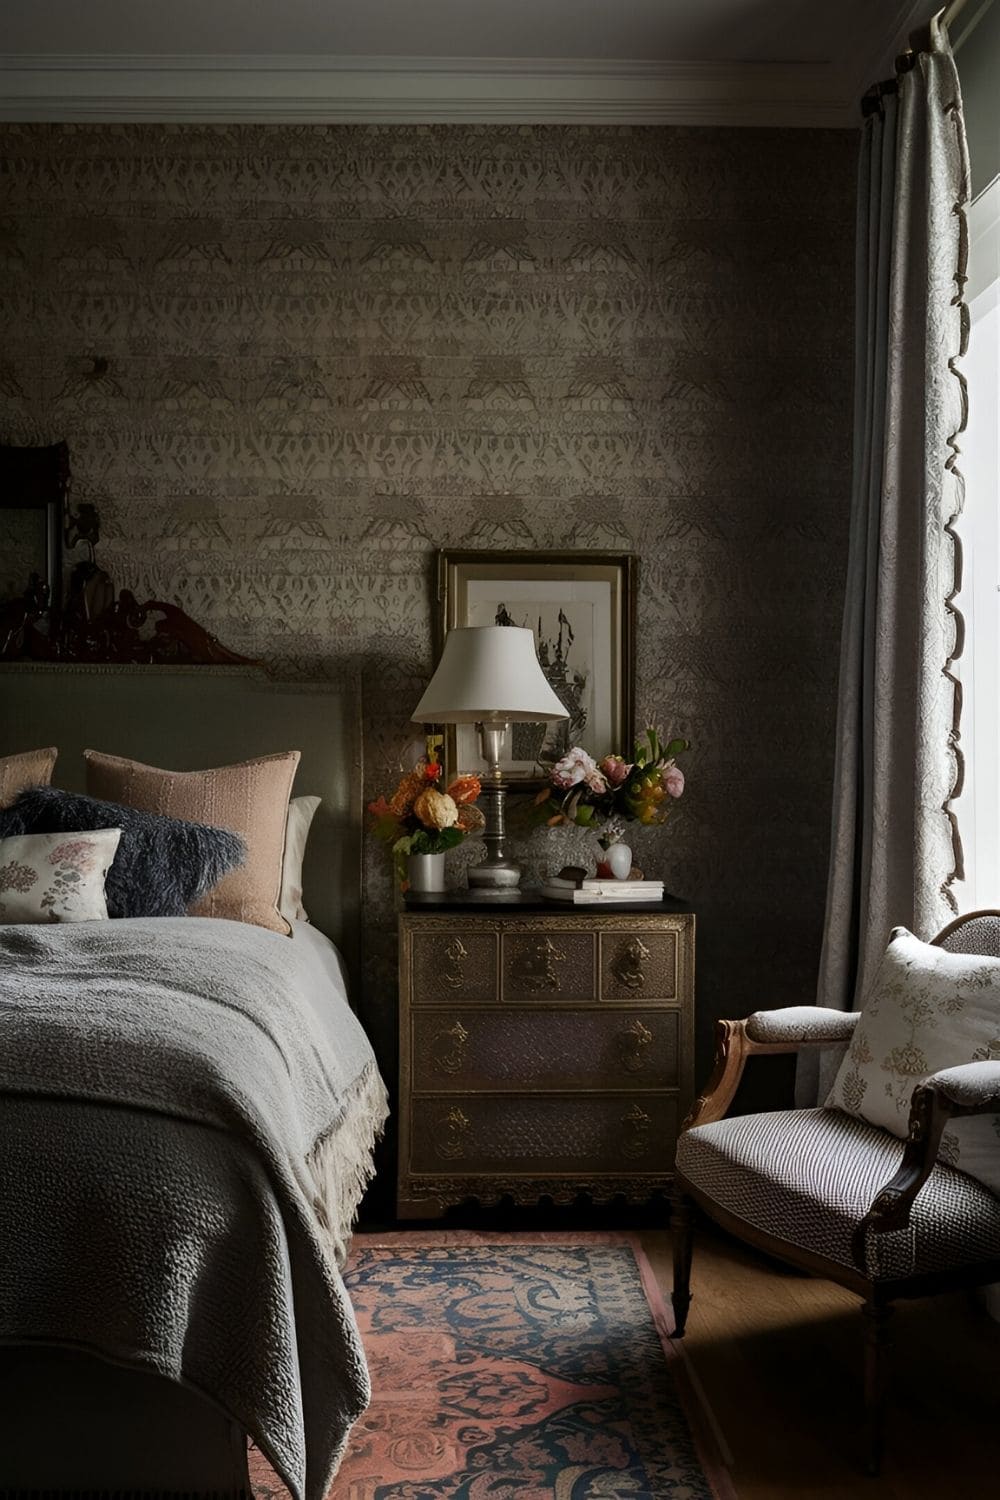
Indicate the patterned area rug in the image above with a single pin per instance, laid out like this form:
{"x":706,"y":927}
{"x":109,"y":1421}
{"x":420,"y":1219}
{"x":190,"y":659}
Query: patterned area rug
{"x":536,"y":1368}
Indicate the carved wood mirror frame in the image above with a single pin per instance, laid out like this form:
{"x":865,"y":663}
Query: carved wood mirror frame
{"x":90,"y":621}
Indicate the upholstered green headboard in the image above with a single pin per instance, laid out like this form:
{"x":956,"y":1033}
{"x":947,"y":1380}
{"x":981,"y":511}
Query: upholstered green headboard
{"x":191,"y":718}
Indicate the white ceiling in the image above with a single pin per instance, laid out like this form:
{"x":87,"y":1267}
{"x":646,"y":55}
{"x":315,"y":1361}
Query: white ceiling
{"x":702,"y":61}
{"x":678,"y":30}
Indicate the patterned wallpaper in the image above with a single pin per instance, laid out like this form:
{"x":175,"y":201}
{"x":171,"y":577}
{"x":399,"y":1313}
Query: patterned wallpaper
{"x":293,"y":361}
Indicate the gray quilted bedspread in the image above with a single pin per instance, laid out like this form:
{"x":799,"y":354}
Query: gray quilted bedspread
{"x":199,"y":1103}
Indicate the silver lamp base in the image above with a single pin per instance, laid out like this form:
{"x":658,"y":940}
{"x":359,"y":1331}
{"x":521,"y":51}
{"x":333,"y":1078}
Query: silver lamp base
{"x":494,"y":877}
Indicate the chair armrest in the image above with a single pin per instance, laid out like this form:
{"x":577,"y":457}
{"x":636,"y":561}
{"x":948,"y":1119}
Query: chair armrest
{"x":971,"y":1089}
{"x":803,"y":1025}
{"x":787,"y":1030}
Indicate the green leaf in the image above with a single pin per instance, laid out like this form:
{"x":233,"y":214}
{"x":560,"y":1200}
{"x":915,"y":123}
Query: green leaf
{"x":386,"y":828}
{"x":434,"y":840}
{"x":646,"y":753}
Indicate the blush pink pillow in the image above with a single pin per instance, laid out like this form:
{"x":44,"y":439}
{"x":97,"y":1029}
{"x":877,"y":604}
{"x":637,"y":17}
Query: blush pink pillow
{"x":18,"y":772}
{"x":250,"y":799}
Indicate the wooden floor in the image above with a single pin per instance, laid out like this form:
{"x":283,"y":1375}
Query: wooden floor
{"x":778,"y":1356}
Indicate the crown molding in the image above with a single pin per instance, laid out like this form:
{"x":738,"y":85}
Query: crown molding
{"x":372,"y":90}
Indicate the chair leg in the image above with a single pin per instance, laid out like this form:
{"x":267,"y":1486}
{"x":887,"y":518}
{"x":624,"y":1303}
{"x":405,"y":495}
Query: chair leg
{"x":878,"y":1343}
{"x":682,"y":1236}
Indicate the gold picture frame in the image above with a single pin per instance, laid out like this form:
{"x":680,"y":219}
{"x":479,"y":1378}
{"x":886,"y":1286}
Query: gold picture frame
{"x":581,"y":608}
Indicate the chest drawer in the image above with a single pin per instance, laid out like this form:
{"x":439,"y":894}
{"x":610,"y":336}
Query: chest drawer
{"x":541,"y":1049}
{"x":540,"y":1134}
{"x":638,"y":965}
{"x":456,"y":965}
{"x":550,"y":966}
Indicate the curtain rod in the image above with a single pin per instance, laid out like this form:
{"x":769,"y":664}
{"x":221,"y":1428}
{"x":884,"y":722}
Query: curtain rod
{"x":871,"y":102}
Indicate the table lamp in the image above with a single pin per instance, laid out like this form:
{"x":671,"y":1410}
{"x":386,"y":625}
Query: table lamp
{"x":489,"y":676}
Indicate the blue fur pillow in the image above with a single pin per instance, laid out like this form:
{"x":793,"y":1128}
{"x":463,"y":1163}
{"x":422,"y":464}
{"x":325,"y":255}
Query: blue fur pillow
{"x":163,"y":865}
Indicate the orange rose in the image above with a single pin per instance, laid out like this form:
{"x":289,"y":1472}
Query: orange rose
{"x":403,"y":797}
{"x":464,"y":789}
{"x":470,"y":818}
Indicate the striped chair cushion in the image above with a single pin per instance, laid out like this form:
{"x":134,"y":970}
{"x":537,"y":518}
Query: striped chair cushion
{"x":807,"y":1176}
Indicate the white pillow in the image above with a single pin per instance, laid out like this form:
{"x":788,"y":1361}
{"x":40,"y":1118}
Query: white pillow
{"x":56,"y":877}
{"x":927,"y":1009}
{"x":301,"y":811}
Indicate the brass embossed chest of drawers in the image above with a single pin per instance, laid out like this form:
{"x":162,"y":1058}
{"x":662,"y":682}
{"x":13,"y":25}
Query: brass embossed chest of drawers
{"x":543,"y":1052}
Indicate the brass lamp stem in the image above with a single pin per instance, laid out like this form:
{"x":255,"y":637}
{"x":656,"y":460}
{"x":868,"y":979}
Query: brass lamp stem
{"x":496,"y":875}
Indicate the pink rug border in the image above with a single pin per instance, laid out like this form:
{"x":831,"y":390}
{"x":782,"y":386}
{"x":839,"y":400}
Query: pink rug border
{"x":708,"y":1439}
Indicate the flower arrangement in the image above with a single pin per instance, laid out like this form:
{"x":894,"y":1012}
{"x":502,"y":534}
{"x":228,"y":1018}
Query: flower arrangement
{"x":608,"y":793}
{"x":421,"y":819}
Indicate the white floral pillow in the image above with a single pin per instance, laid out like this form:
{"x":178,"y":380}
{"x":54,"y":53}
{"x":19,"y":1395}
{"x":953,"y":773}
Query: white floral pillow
{"x":56,"y":877}
{"x":927,"y":1009}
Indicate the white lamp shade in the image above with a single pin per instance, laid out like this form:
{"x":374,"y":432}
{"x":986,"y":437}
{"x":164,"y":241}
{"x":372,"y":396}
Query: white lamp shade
{"x":488,"y":672}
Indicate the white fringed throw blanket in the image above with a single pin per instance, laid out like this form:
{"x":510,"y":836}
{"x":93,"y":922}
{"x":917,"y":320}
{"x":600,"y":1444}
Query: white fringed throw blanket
{"x":207,"y":1081}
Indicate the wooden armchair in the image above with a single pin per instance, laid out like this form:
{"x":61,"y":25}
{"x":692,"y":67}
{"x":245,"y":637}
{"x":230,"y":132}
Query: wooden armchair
{"x":833,"y":1195}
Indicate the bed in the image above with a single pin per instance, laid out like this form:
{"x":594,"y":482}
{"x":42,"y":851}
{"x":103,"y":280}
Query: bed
{"x":184,"y":1143}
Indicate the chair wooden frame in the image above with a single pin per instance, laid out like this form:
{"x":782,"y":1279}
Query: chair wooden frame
{"x":931,"y":1109}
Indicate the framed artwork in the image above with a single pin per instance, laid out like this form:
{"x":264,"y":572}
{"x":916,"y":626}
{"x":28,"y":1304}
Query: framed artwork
{"x":581,"y":608}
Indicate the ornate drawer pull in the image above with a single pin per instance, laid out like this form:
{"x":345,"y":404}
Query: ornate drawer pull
{"x":537,"y":970}
{"x":456,"y":954}
{"x":633,"y":1044}
{"x":637,"y":1124}
{"x":451,"y":1143}
{"x":627,"y":964}
{"x":448,"y":1048}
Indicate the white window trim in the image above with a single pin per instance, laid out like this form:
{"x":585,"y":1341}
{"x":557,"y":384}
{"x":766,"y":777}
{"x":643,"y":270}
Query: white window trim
{"x":978,"y":808}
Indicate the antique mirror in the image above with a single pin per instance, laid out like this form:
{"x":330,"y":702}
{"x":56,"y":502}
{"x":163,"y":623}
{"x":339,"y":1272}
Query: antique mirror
{"x":33,"y":485}
{"x":90,"y":619}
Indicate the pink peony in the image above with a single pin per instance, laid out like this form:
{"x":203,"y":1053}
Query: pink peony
{"x":673,"y":780}
{"x":576,"y":766}
{"x":615,"y":768}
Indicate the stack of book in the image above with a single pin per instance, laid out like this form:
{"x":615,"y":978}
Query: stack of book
{"x":594,"y":892}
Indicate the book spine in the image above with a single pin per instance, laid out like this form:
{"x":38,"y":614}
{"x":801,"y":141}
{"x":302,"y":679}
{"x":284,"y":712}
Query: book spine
{"x":605,"y":898}
{"x":619,"y":887}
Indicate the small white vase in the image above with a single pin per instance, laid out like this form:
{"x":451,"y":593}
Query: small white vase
{"x":618,"y":858}
{"x":425,"y":872}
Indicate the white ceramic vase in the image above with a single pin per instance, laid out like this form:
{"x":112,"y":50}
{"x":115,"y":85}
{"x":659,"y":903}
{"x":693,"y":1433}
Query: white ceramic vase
{"x":618,"y":858}
{"x":425,"y":873}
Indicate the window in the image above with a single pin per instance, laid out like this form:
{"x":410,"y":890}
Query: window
{"x":978,"y":669}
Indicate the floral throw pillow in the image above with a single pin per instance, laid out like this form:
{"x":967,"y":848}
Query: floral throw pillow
{"x":56,"y":877}
{"x":927,"y":1009}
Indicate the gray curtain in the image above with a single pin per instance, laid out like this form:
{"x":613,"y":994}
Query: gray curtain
{"x":895,"y":848}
